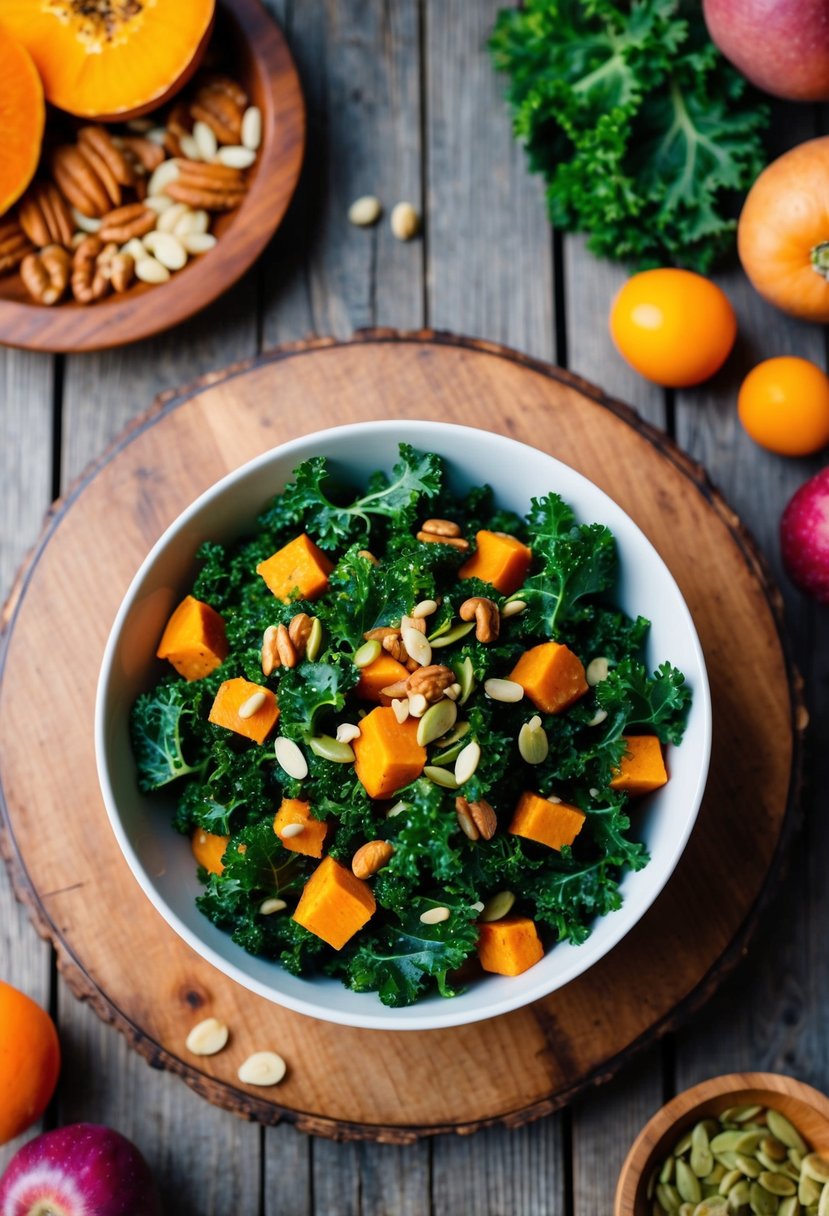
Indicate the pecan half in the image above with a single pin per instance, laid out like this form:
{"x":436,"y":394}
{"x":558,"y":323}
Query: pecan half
{"x":431,"y":681}
{"x":122,"y":224}
{"x":91,"y":269}
{"x":99,"y":147}
{"x":299,"y":631}
{"x":221,"y":103}
{"x":393,"y":645}
{"x":46,"y":274}
{"x":122,"y":271}
{"x":457,"y":542}
{"x":285,"y":647}
{"x":79,"y":183}
{"x":371,"y":857}
{"x":44,"y":215}
{"x":479,"y":815}
{"x":381,"y":633}
{"x":14,"y":245}
{"x":485,"y":614}
{"x":143,"y":152}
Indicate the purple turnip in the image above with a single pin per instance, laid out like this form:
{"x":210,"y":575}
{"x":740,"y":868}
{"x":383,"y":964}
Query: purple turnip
{"x":79,"y":1170}
{"x":782,"y":46}
{"x":804,"y":538}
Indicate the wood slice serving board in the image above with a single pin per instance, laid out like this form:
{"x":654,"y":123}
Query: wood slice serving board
{"x":115,"y":950}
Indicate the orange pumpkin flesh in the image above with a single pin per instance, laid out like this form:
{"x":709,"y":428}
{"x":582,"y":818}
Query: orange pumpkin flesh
{"x":783,"y":234}
{"x":22,"y":116}
{"x":111,"y":58}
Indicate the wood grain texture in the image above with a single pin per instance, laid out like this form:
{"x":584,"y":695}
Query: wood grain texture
{"x":524,"y":1064}
{"x":264,"y":65}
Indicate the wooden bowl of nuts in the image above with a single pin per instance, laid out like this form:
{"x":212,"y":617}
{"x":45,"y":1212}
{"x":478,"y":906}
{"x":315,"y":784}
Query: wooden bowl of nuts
{"x":745,"y":1142}
{"x":129,"y":228}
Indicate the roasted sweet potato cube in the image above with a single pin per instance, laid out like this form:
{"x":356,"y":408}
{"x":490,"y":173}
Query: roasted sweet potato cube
{"x":379,"y":675}
{"x":209,"y":849}
{"x":334,"y":904}
{"x":311,"y":839}
{"x":299,"y":570}
{"x":388,"y":753}
{"x":552,"y":823}
{"x":194,"y":639}
{"x":509,"y":946}
{"x":499,"y":559}
{"x":551,"y":676}
{"x":234,"y":695}
{"x":643,"y":767}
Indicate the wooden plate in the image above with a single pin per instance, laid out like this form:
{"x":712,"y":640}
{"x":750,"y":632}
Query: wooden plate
{"x":117,"y":952}
{"x":260,"y":59}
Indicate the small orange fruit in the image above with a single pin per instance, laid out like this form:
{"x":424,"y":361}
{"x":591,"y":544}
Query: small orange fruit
{"x":29,"y":1061}
{"x":673,"y":326}
{"x":784,"y":405}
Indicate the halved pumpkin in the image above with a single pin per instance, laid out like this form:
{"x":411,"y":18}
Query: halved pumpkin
{"x":111,"y":59}
{"x":22,"y":115}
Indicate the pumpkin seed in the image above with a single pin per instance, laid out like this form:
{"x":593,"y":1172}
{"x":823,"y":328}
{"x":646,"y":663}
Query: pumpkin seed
{"x":750,"y":1167}
{"x":766,"y":1161}
{"x":424,"y":608}
{"x":749,"y":1142}
{"x":729,"y":1160}
{"x":312,"y":646}
{"x":739,"y":1194}
{"x":715,"y":1206}
{"x":467,"y":762}
{"x":290,"y":758}
{"x":252,"y":705}
{"x":454,"y":634}
{"x":438,"y":719}
{"x":777,"y":1184}
{"x":702,"y":1160}
{"x":497,"y":906}
{"x":448,"y":757}
{"x":466,"y":678}
{"x":330,"y":749}
{"x":666,"y":1174}
{"x":782,"y":1129}
{"x":715,"y":1177}
{"x":744,"y":1113}
{"x":397,"y":809}
{"x":651,"y":1180}
{"x":668,"y":1197}
{"x":774,"y":1149}
{"x":441,"y":629}
{"x":761,"y":1202}
{"x":683,"y":1145}
{"x":815,"y":1167}
{"x":686,"y":1209}
{"x":729,"y":1180}
{"x":440,"y":776}
{"x":789,"y":1207}
{"x":367,"y":653}
{"x":808,"y":1191}
{"x":823,"y":1202}
{"x":795,"y":1158}
{"x":726,"y":1142}
{"x":533,"y":744}
{"x":461,"y":729}
{"x":687,"y":1183}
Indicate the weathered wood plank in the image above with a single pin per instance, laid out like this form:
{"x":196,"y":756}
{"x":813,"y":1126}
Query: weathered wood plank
{"x":487,"y":240}
{"x":359,"y":63}
{"x":501,"y":1173}
{"x":369,"y":1179}
{"x":26,"y":391}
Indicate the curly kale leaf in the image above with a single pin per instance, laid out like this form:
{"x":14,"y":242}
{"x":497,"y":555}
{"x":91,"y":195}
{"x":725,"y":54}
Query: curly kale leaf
{"x":312,"y":499}
{"x":425,"y":835}
{"x":577,"y":560}
{"x":645,"y":135}
{"x":632,"y":698}
{"x":567,"y":896}
{"x":362,"y":596}
{"x":163,"y":723}
{"x":399,"y":960}
{"x":239,"y":786}
{"x":308,"y":690}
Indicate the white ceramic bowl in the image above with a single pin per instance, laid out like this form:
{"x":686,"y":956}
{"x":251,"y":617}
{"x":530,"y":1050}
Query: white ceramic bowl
{"x":161,"y":859}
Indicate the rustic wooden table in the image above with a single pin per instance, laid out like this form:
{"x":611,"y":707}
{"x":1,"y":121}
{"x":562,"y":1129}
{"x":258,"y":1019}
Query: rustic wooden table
{"x":403,"y":103}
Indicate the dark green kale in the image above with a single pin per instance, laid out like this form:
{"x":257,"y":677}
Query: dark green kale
{"x":163,"y":726}
{"x":309,"y":690}
{"x":632,"y":698}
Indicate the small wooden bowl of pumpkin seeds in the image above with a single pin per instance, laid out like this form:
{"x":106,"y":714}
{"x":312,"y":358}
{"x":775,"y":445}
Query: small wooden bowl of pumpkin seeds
{"x":747,"y":1144}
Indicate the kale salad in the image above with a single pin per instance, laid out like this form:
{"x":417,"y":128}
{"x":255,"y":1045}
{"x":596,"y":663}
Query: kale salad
{"x":403,"y":730}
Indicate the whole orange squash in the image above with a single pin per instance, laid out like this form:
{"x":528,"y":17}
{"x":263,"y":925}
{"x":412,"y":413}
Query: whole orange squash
{"x":783,"y":233}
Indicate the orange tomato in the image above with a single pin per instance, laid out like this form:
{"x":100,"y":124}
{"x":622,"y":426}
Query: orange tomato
{"x":29,"y":1061}
{"x":784,"y":405}
{"x":672,"y":326}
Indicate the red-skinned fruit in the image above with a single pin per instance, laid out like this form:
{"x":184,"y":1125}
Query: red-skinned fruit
{"x":804,"y":537}
{"x":78,"y":1170}
{"x":781,"y":46}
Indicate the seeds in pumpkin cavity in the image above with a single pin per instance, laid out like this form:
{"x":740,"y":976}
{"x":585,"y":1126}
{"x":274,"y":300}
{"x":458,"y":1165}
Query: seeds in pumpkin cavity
{"x":262,"y":1068}
{"x":291,"y":829}
{"x":434,"y":916}
{"x":252,"y":128}
{"x":207,"y":1037}
{"x":249,"y":707}
{"x":290,"y":758}
{"x":269,"y":906}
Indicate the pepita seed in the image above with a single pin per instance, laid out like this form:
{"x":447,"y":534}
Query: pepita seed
{"x":687,"y":1183}
{"x":777,"y":1184}
{"x":347,"y":732}
{"x":701,"y":1160}
{"x":597,"y":670}
{"x":713,"y":1206}
{"x":497,"y":906}
{"x":715,"y":1177}
{"x":453,"y":691}
{"x":782,"y":1129}
{"x":416,"y":645}
{"x":666,"y":1174}
{"x":750,"y":1167}
{"x":236,"y":156}
{"x":729,"y":1180}
{"x":437,"y":720}
{"x":668,"y":1197}
{"x":823,"y":1202}
{"x":513,"y":607}
{"x":269,"y":906}
{"x":726,"y":1142}
{"x":815,"y":1167}
{"x":749,"y":1142}
{"x":452,"y":635}
{"x":206,"y":141}
{"x":466,"y":678}
{"x":503,"y":690}
{"x":745,"y":1113}
{"x":314,"y":643}
{"x":367,"y":653}
{"x":443,"y":759}
{"x":207,"y":1037}
{"x":262,"y":1068}
{"x":418,"y":705}
{"x":533,"y":744}
{"x":773,"y":1148}
{"x":290,"y":758}
{"x":789,"y":1207}
{"x":252,"y":705}
{"x":150,"y":270}
{"x":461,"y":729}
{"x":252,"y":128}
{"x":434,"y":916}
{"x":683,"y":1145}
{"x":400,"y":709}
{"x":808,"y":1191}
{"x":467,"y":762}
{"x":762,"y":1202}
{"x":424,"y":608}
{"x":440,"y":776}
{"x":291,"y":830}
{"x":766,"y":1161}
{"x":330,"y":749}
{"x":686,"y":1209}
{"x":739,"y":1194}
